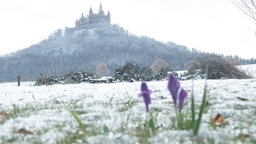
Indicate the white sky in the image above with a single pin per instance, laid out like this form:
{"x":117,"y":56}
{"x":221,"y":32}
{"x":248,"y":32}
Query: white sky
{"x":207,"y":25}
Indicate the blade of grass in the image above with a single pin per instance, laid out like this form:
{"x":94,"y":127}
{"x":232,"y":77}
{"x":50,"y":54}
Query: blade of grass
{"x":193,"y":109}
{"x":128,"y":116}
{"x":202,"y":106}
{"x":150,"y":125}
{"x":81,"y":125}
{"x":201,"y":110}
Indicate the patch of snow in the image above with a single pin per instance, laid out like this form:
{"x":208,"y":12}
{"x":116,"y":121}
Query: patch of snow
{"x":249,"y":69}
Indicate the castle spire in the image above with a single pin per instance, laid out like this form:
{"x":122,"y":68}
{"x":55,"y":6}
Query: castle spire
{"x":90,"y":12}
{"x":100,"y":10}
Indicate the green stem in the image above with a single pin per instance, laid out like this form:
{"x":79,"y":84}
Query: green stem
{"x":193,"y":109}
{"x":81,"y":125}
{"x":201,"y":111}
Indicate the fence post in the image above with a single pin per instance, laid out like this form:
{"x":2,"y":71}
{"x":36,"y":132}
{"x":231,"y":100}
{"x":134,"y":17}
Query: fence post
{"x":18,"y":80}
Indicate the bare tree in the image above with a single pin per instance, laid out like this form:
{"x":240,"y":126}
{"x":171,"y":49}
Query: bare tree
{"x":102,"y":70}
{"x":159,"y":64}
{"x":248,"y":7}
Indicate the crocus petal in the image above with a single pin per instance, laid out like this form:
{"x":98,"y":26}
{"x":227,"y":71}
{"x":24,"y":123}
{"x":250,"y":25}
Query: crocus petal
{"x":148,"y":92}
{"x":173,"y":86}
{"x":182,"y":98}
{"x":144,"y":86}
{"x":145,"y":92}
{"x":147,"y":101}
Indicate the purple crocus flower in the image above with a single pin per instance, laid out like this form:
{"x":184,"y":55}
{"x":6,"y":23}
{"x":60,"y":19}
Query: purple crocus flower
{"x":145,"y":93}
{"x":182,"y":98}
{"x":173,"y":86}
{"x":179,"y":95}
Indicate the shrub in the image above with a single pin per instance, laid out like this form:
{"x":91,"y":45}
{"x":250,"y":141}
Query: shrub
{"x":128,"y":72}
{"x":132,"y":71}
{"x":217,"y":66}
{"x":146,"y":73}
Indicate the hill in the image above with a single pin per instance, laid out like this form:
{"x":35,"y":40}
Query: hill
{"x":76,"y":49}
{"x":92,"y":42}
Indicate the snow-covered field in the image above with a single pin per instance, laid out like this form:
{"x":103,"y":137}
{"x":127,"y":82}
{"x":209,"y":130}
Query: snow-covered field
{"x":114,"y":113}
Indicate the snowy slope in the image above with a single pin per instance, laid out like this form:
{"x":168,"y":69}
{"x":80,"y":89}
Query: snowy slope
{"x":249,"y":69}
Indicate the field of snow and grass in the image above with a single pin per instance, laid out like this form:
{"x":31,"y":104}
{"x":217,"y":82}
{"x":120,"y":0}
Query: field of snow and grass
{"x":114,"y":113}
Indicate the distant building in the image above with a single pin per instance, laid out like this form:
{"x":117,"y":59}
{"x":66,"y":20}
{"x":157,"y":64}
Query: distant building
{"x":93,"y":18}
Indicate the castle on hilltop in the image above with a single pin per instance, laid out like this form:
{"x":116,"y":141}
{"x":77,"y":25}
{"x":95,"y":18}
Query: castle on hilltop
{"x":93,"y":18}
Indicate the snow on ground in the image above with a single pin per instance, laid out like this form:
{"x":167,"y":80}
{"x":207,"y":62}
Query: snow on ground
{"x":249,"y":69}
{"x":114,"y":113}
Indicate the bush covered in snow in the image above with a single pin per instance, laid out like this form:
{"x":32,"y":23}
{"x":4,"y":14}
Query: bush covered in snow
{"x":76,"y":77}
{"x":217,"y":67}
{"x":131,"y":71}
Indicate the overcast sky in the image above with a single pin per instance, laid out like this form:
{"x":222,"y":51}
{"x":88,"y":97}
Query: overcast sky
{"x":207,"y":25}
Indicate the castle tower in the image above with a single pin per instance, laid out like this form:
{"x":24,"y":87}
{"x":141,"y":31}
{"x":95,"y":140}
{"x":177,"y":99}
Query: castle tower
{"x":100,"y":10}
{"x":90,"y":11}
{"x":82,"y":16}
{"x":82,"y":21}
{"x":108,"y":17}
